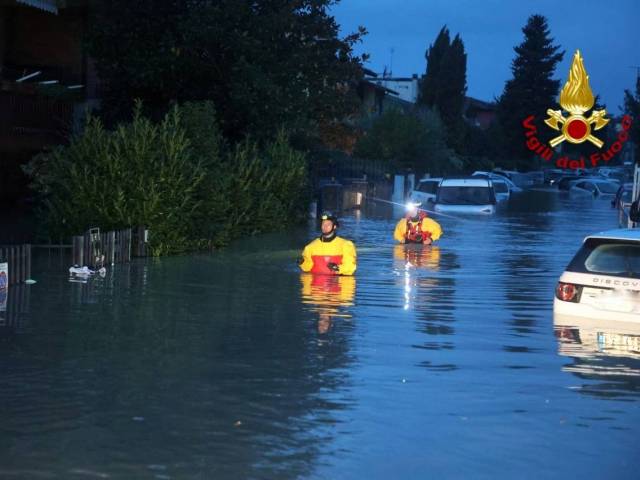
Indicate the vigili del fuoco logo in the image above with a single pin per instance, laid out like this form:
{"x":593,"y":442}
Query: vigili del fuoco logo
{"x":576,"y":98}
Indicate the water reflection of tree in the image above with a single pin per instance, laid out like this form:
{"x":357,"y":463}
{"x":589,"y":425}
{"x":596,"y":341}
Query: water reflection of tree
{"x":524,"y":259}
{"x":425,"y":273}
{"x":610,"y":368}
{"x":209,"y":370}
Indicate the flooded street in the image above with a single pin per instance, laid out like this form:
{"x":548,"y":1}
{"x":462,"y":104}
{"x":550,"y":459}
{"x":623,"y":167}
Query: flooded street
{"x":430,"y":363}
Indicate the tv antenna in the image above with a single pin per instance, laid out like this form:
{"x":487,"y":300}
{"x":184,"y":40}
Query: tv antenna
{"x":391,"y":50}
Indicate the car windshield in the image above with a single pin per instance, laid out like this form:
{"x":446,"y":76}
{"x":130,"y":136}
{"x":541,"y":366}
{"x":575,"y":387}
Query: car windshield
{"x":464,"y":196}
{"x":607,"y":187}
{"x":500,"y":187}
{"x":608,"y":257}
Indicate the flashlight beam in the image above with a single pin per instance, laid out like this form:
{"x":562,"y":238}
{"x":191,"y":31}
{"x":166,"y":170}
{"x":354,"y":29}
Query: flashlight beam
{"x":423,"y":209}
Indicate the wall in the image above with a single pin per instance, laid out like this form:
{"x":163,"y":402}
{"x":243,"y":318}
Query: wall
{"x":407,"y":88}
{"x":35,"y":38}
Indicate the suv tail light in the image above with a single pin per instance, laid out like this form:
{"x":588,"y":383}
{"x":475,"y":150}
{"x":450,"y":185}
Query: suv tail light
{"x":568,"y":292}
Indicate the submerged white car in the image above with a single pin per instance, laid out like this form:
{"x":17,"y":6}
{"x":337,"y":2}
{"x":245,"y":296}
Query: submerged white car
{"x":595,"y":187}
{"x":466,"y":195}
{"x":602,"y":282}
{"x":425,"y":191}
{"x":513,"y":188}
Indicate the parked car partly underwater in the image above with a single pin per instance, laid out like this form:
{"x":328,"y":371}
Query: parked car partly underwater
{"x":466,"y":195}
{"x":595,"y":187}
{"x":602,"y":282}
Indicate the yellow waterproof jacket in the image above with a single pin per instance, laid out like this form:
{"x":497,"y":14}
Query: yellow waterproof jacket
{"x":426,"y":225}
{"x":318,"y":254}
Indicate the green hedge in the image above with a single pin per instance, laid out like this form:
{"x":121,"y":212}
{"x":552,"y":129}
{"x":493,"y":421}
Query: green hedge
{"x":177,"y":177}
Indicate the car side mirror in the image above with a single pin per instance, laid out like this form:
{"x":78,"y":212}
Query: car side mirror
{"x":634,"y":212}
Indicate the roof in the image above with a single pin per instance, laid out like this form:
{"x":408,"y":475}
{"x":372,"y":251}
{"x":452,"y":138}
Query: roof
{"x":379,"y":87}
{"x":618,"y":234}
{"x":471,"y":102}
{"x":597,"y":180}
{"x":46,"y":5}
{"x":431,"y":179}
{"x":465,"y":182}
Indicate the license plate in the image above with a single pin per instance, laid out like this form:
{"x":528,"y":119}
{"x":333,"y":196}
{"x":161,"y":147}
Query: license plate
{"x":618,"y":341}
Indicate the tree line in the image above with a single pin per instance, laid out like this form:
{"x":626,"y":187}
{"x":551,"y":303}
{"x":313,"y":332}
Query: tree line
{"x":435,"y":137}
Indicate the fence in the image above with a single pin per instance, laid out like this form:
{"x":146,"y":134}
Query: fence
{"x":344,"y":166}
{"x":14,"y":309}
{"x":18,"y":258}
{"x":116,"y":246}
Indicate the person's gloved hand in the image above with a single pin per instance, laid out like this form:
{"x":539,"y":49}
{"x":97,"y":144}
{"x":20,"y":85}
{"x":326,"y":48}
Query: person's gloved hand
{"x":333,"y":266}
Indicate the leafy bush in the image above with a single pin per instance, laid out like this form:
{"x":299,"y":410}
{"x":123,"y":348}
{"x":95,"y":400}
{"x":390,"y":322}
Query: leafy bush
{"x":175,"y":177}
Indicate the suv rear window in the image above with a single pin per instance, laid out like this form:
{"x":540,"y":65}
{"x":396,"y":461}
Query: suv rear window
{"x":617,"y":258}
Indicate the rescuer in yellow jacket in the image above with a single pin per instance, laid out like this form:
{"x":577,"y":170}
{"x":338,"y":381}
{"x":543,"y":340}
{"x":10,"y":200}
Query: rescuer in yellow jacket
{"x":416,"y":227}
{"x":329,"y":254}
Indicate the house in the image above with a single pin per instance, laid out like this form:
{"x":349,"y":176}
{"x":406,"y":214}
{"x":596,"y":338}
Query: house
{"x":372,"y":95}
{"x":479,"y":113}
{"x":46,"y":80}
{"x":406,"y":88}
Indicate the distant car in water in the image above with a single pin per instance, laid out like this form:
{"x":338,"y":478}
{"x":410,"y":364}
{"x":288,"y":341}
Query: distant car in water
{"x":613,"y":173}
{"x":602,"y":282}
{"x":536,"y":176}
{"x":551,"y":175}
{"x":595,"y":187}
{"x":466,"y":195}
{"x":520,"y":179}
{"x":425,"y":191}
{"x":564,"y":183}
{"x":513,"y":188}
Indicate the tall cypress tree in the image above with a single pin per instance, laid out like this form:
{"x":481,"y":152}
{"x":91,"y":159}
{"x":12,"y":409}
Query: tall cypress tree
{"x":435,"y":55}
{"x":531,"y":91}
{"x":452,"y":88}
{"x":444,"y":85}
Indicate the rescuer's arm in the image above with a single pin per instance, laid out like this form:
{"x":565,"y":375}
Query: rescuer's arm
{"x":348,"y":265}
{"x":307,"y":261}
{"x":432,"y":227}
{"x":400,"y":231}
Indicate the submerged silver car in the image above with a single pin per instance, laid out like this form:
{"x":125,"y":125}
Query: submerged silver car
{"x":466,"y":195}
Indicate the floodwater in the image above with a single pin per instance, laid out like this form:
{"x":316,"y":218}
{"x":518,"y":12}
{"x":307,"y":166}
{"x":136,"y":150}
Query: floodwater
{"x":430,"y":363}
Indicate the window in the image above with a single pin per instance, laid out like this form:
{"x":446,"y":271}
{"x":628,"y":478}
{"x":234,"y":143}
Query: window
{"x":500,"y":187}
{"x":428,"y":187}
{"x":608,"y":257}
{"x":607,"y":188}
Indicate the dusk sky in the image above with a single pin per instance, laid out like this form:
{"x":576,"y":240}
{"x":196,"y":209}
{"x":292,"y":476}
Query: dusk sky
{"x":604,"y":31}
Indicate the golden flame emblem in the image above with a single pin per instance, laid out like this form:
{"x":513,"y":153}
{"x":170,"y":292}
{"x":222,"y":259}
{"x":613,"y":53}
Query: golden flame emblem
{"x":576,"y":98}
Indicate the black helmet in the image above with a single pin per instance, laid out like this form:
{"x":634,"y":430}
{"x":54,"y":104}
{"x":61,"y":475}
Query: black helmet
{"x":329,"y":216}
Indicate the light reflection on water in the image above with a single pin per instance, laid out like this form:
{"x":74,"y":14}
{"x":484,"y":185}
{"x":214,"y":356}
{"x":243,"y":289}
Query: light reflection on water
{"x":437,"y":361}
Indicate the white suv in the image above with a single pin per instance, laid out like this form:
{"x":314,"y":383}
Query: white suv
{"x":602,"y":282}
